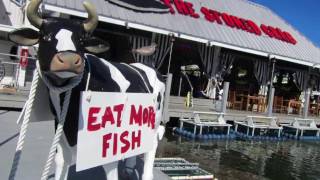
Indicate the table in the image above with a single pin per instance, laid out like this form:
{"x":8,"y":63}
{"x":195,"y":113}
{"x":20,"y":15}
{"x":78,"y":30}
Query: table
{"x":258,"y":100}
{"x":295,"y":105}
{"x":314,"y":108}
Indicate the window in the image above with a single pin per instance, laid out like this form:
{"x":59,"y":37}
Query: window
{"x":242,"y":73}
{"x":19,"y":2}
{"x":275,"y":78}
{"x":285,"y":79}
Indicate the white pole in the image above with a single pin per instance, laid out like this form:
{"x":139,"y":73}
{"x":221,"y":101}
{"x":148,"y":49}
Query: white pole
{"x":180,"y":84}
{"x":270,"y":102}
{"x":165,"y":117}
{"x":225,"y":97}
{"x":306,"y":103}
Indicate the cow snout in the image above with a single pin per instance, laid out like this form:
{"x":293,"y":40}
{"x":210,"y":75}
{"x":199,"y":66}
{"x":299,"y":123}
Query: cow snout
{"x":67,"y":61}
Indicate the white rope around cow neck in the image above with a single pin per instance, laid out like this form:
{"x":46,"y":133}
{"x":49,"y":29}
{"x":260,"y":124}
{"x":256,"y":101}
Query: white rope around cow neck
{"x":61,"y":119}
{"x":57,"y":137}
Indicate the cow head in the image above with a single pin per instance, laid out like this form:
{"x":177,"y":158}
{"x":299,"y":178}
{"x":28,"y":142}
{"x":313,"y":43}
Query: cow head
{"x":62,"y":42}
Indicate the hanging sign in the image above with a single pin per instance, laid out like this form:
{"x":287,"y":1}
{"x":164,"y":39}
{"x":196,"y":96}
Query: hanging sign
{"x":114,"y":126}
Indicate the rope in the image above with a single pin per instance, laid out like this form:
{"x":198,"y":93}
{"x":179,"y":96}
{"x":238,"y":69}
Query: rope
{"x":24,"y":126}
{"x":89,"y":76}
{"x":56,"y":139}
{"x":61,"y":117}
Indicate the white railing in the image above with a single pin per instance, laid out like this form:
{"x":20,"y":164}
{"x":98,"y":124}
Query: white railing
{"x":13,"y":67}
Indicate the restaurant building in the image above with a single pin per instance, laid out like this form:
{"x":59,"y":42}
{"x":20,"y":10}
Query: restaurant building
{"x":237,"y":41}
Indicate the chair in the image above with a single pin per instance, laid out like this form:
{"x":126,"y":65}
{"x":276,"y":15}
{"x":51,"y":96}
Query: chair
{"x":262,"y":103}
{"x":314,"y":108}
{"x":234,"y":101}
{"x":256,"y":102}
{"x":294,"y":106}
{"x":278,"y":105}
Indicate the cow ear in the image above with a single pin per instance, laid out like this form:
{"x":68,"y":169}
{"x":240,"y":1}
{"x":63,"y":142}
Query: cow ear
{"x":24,"y":36}
{"x":95,"y":45}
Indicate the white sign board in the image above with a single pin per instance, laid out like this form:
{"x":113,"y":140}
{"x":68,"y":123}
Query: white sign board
{"x":114,"y":126}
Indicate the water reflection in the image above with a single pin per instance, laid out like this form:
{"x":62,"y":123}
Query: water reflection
{"x":236,"y":159}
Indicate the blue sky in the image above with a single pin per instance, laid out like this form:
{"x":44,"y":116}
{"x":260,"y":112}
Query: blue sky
{"x":303,"y":15}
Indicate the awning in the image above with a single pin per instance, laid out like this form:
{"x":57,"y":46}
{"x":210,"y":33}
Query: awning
{"x":196,"y":25}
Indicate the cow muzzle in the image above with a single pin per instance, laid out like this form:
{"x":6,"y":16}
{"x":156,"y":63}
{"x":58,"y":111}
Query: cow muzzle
{"x":67,"y":64}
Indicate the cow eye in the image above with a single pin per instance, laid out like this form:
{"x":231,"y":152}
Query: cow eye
{"x":47,"y":37}
{"x":81,"y":41}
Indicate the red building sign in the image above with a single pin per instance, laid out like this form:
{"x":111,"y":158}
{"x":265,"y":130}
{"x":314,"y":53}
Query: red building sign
{"x":222,"y":18}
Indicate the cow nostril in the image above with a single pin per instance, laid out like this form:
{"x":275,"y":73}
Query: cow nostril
{"x":60,"y":60}
{"x":77,"y":61}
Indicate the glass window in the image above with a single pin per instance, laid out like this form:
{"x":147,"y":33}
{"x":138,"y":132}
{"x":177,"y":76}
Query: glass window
{"x":242,"y":73}
{"x":285,"y":78}
{"x":275,"y":78}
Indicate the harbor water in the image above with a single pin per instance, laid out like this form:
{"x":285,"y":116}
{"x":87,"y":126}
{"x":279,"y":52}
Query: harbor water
{"x":244,"y":159}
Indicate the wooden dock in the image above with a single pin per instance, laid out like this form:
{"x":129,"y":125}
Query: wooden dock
{"x":14,"y":97}
{"x":178,"y":109}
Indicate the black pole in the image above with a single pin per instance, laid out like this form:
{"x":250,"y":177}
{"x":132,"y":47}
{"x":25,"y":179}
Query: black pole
{"x":170,"y":55}
{"x":273,"y":60}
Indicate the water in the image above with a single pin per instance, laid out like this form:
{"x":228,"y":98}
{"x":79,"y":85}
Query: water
{"x":238,"y":159}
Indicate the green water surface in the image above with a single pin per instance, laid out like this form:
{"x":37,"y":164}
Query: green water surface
{"x":239,"y":159}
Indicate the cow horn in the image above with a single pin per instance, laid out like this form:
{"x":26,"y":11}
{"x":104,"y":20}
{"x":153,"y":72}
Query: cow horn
{"x":92,"y":20}
{"x":32,"y":13}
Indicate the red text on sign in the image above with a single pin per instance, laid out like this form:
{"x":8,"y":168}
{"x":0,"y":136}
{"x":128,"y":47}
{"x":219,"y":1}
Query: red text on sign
{"x":187,"y":8}
{"x":182,"y":7}
{"x":111,"y":116}
{"x":142,"y":116}
{"x":122,"y":143}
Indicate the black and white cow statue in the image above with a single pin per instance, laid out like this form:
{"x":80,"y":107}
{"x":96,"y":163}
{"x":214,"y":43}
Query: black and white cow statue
{"x":62,"y":57}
